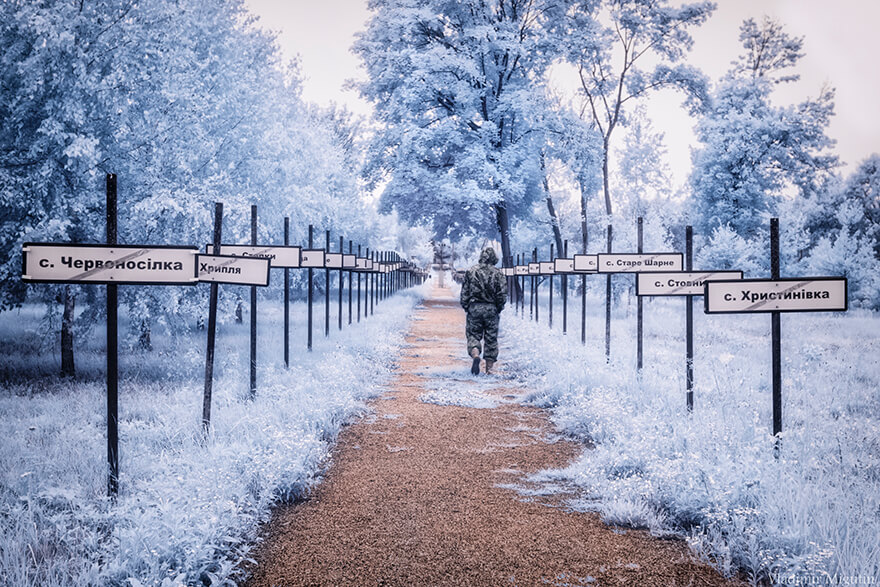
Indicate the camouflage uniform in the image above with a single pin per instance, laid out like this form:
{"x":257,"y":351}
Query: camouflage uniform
{"x":483,"y":295}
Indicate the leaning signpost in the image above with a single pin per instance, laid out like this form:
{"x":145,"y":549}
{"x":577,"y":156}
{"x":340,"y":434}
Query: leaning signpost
{"x":231,"y":265}
{"x":776,"y":295}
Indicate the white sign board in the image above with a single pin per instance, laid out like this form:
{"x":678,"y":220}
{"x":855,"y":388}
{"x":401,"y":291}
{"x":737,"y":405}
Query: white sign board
{"x":312,"y":258}
{"x":586,"y":263}
{"x":534,"y":268}
{"x":68,"y":263}
{"x":364,"y":264}
{"x":563,"y":266}
{"x":279,"y":256}
{"x":639,"y":262}
{"x":349,"y":262}
{"x":679,"y":283}
{"x":546,"y":268}
{"x":333,"y":260}
{"x":804,"y":294}
{"x":521,"y":270}
{"x":234,"y":270}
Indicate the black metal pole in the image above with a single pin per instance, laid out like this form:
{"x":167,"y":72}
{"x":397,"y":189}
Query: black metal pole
{"x":326,"y":287}
{"x":565,"y":291}
{"x":689,"y":325}
{"x":350,"y":276}
{"x":373,"y":284}
{"x":550,"y":279}
{"x":212,"y":326}
{"x":536,"y":281}
{"x":583,"y":309}
{"x":608,"y":304}
{"x":359,"y":284}
{"x":112,"y":352}
{"x":341,"y":285}
{"x":519,"y":292}
{"x":310,"y":296}
{"x":776,"y":333}
{"x":529,"y":279}
{"x":286,"y":298}
{"x":253,"y":377}
{"x":639,"y":315}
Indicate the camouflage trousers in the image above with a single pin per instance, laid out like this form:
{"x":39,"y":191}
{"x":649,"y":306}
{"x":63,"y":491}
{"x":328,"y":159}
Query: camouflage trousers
{"x":482,"y":324}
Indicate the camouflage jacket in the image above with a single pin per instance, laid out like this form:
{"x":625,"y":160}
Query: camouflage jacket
{"x":485,"y":284}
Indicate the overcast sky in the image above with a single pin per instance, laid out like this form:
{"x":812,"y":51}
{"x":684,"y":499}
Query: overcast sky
{"x":838,"y":45}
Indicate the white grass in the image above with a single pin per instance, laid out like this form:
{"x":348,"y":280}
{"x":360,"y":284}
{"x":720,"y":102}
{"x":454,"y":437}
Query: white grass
{"x":813,"y":514}
{"x":187,"y":510}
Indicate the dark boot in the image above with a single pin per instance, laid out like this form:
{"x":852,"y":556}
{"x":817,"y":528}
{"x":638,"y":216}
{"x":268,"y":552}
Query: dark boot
{"x":475,"y":368}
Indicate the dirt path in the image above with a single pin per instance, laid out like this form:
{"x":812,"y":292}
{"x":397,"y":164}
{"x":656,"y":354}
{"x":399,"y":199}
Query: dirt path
{"x":414,"y":495}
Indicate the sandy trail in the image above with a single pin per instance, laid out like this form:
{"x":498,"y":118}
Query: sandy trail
{"x":418,"y":493}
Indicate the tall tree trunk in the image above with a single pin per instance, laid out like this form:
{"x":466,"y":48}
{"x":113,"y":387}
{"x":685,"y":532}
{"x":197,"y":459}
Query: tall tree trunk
{"x":554,"y":219}
{"x":68,"y":369}
{"x":584,"y":233}
{"x":504,"y":228}
{"x":144,"y":340}
{"x":610,"y":233}
{"x":605,"y":186}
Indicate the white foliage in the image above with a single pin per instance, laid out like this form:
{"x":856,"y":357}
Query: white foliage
{"x":188,"y":511}
{"x":711,"y":476}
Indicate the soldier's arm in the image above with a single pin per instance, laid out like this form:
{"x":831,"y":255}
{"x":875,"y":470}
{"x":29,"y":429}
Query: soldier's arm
{"x":465,"y":291}
{"x":501,"y":295}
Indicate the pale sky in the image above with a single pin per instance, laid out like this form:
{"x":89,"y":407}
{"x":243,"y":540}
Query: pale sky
{"x":838,"y":46}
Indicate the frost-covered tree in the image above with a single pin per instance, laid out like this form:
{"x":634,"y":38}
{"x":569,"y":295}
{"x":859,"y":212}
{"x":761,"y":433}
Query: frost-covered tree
{"x":753,"y":151}
{"x":188,"y":103}
{"x":641,"y":44}
{"x":644,"y":173}
{"x":457,"y":87}
{"x":862,"y":189}
{"x":839,"y":231}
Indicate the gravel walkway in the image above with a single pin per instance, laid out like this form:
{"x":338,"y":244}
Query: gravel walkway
{"x":421,"y":493}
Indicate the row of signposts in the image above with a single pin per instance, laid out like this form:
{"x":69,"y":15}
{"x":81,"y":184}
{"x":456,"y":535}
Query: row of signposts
{"x":113,"y":264}
{"x":672,"y":274}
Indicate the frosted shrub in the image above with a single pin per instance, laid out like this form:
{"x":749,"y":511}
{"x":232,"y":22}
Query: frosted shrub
{"x":711,"y":476}
{"x":188,"y":510}
{"x":725,"y":249}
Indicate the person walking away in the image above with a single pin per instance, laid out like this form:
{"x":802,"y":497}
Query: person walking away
{"x":483,"y":295}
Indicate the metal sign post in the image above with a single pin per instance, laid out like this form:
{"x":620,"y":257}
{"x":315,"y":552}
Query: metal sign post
{"x":550,"y":281}
{"x":111,"y":264}
{"x":565,"y":292}
{"x":286,"y":298}
{"x":633,"y":263}
{"x":112,"y":351}
{"x":327,"y":288}
{"x":311,"y":277}
{"x":689,"y":320}
{"x":608,"y":303}
{"x":253,"y":349}
{"x":639,"y":323}
{"x":773,"y":296}
{"x":351,"y":267}
{"x":212,"y":327}
{"x":688,"y":284}
{"x":340,"y":284}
